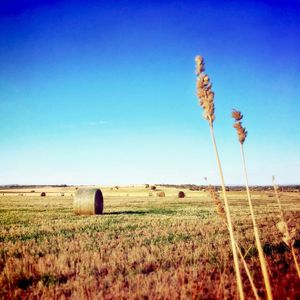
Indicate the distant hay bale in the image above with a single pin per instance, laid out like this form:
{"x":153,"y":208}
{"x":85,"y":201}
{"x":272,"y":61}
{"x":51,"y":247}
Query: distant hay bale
{"x":161,"y":194}
{"x":62,"y":194}
{"x":181,"y":194}
{"x":146,"y":186}
{"x":88,"y":202}
{"x":32,"y":191}
{"x":153,"y":187}
{"x":116,"y":187}
{"x":43,"y":194}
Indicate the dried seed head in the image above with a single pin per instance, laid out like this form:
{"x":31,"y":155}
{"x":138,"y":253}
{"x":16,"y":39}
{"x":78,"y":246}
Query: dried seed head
{"x":241,"y":131}
{"x":237,"y":115}
{"x":283,"y":228}
{"x":219,"y":205}
{"x":199,"y":64}
{"x":204,"y":91}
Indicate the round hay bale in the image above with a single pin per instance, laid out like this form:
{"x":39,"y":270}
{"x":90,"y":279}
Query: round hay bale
{"x":88,"y":202}
{"x":146,"y":186}
{"x":181,"y":194}
{"x":153,"y":187}
{"x":43,"y":194}
{"x":161,"y":194}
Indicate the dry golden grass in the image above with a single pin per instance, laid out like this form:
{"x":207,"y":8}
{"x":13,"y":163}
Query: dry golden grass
{"x":141,"y":247}
{"x":206,"y":100}
{"x":242,"y":134}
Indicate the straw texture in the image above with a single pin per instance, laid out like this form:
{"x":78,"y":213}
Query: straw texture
{"x":88,"y":202}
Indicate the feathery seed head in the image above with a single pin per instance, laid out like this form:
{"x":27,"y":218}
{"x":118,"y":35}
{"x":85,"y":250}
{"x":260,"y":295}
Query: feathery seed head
{"x":287,"y":237}
{"x":219,"y":205}
{"x":199,"y":64}
{"x":204,"y":91}
{"x":241,"y":131}
{"x":237,"y":115}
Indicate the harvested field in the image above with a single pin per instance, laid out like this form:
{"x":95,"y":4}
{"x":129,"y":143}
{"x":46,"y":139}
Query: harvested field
{"x":140,"y":247}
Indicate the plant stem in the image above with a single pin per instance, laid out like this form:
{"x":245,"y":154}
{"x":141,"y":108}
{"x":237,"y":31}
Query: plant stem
{"x":254,"y":289}
{"x":295,"y":260}
{"x":282,"y":219}
{"x":278,"y":201}
{"x":262,"y":260}
{"x":227,"y":212}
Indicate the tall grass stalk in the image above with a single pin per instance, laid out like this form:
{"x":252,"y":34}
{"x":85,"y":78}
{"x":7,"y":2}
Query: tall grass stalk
{"x":221,"y":213}
{"x":288,"y":238}
{"x":206,"y":97}
{"x":242,"y":134}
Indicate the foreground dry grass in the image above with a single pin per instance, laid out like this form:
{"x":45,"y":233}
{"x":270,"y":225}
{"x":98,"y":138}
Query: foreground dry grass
{"x":141,"y":248}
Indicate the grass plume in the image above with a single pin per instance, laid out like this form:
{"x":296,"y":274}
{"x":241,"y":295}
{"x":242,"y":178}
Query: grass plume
{"x":206,"y":100}
{"x":242,"y":134}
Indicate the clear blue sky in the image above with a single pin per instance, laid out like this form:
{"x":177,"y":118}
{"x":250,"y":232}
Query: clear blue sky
{"x":103,"y":92}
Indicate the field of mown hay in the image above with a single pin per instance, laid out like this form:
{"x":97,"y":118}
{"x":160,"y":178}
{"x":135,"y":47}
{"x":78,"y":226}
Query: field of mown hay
{"x":142,"y":247}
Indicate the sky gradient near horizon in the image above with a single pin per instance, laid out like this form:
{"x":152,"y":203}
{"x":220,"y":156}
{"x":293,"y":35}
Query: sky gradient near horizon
{"x":103,"y":92}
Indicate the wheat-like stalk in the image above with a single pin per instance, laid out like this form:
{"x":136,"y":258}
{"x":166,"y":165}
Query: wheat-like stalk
{"x":221,"y":212}
{"x":242,"y":134}
{"x":287,"y":236}
{"x":206,"y":99}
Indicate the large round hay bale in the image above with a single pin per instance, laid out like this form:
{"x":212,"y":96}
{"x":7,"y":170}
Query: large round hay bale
{"x":181,"y":194}
{"x":153,"y":187}
{"x":161,"y":194}
{"x":43,"y":194}
{"x":88,"y":202}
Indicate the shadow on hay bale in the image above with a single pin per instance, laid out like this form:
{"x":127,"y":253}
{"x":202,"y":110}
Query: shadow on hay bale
{"x":88,"y":202}
{"x":43,"y":194}
{"x":181,"y":194}
{"x":153,"y":187}
{"x":161,"y":194}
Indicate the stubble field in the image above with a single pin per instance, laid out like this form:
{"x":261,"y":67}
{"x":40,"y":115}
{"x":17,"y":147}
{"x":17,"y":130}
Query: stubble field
{"x":142,"y":247}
